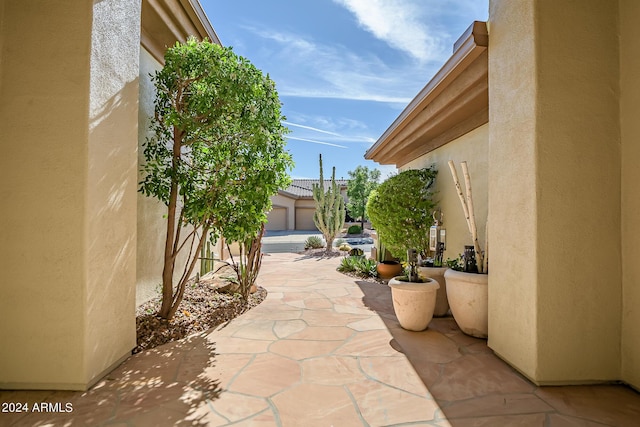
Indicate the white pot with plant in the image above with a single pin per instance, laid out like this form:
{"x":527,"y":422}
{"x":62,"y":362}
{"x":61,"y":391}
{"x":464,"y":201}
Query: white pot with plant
{"x":414,"y":297}
{"x":467,"y":278}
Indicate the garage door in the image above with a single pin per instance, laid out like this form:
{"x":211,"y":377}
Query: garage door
{"x":304,"y":219}
{"x":276,"y":219}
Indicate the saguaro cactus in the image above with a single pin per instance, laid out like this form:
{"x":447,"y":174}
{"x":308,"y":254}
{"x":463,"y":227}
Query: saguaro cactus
{"x":330,"y":209}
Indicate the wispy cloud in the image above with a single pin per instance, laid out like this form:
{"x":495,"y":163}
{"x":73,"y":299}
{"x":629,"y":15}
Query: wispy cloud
{"x":315,"y":141}
{"x":310,"y":128}
{"x":332,"y":71}
{"x":399,"y":24}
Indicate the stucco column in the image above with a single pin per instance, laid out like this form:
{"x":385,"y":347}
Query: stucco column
{"x":554,"y":189}
{"x":68,"y":117}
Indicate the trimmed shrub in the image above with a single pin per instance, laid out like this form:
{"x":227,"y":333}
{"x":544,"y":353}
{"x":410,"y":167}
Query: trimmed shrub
{"x":354,"y":229}
{"x":313,"y":242}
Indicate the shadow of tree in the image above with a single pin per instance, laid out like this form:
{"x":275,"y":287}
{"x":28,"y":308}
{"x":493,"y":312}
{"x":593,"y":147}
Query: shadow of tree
{"x":167,"y":385}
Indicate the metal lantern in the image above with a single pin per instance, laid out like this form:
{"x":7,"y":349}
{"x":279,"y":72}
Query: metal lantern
{"x":469,"y":259}
{"x":437,"y":234}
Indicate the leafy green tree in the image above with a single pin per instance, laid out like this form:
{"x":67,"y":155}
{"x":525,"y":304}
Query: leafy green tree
{"x":216,"y":156}
{"x":401,"y":210}
{"x":361,"y":182}
{"x":330,"y":210}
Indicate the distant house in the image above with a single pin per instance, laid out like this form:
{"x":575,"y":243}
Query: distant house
{"x":293,"y":207}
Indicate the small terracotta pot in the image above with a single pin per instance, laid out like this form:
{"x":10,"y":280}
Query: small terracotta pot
{"x":389,"y":269}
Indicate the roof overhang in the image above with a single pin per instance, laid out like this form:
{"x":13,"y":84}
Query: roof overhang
{"x":164,"y":22}
{"x":453,"y":103}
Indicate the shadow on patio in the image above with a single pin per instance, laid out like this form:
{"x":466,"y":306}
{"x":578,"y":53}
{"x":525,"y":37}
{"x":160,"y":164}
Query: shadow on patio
{"x":473,"y":387}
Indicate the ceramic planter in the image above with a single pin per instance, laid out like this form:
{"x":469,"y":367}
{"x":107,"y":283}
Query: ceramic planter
{"x":437,"y":273}
{"x":389,"y":269}
{"x":468,"y":298}
{"x":414,"y":302}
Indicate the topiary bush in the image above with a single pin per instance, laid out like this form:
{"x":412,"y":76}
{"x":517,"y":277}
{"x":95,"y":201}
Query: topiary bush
{"x":401,"y":208}
{"x":313,"y":242}
{"x":354,"y":229}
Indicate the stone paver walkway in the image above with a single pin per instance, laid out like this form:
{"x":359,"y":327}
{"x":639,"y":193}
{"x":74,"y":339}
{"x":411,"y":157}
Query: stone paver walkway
{"x":325,"y":350}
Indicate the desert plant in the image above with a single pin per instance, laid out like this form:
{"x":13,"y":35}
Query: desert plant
{"x":401,"y":208}
{"x":313,"y":242}
{"x":354,"y":229}
{"x":206,"y":258}
{"x":358,"y":265}
{"x":216,"y":156}
{"x":344,"y":247}
{"x":330,"y":212}
{"x":249,"y":262}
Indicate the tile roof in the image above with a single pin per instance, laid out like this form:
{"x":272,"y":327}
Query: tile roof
{"x":302,"y":188}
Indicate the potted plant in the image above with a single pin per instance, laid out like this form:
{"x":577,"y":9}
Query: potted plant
{"x":400,"y":210}
{"x":414,"y":297}
{"x":434,"y":267}
{"x":467,"y":278}
{"x":388,"y":266}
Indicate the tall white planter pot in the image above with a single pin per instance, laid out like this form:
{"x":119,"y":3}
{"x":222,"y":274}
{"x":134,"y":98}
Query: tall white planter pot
{"x":437,"y":274}
{"x":414,"y":302}
{"x":468,"y":298}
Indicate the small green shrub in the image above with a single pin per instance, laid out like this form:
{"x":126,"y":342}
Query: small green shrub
{"x":344,"y":247}
{"x":313,"y":242}
{"x":354,"y":229}
{"x":361,"y":266}
{"x":339,"y":242}
{"x":347,"y":265}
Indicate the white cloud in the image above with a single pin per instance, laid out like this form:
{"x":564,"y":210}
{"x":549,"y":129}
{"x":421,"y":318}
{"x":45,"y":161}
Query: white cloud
{"x":332,"y":71}
{"x":398,"y":23}
{"x":310,"y":128}
{"x":315,"y":141}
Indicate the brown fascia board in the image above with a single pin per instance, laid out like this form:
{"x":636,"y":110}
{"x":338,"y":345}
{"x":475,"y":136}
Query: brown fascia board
{"x":445,"y":90}
{"x":164,"y":22}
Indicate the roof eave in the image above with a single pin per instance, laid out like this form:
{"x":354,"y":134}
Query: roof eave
{"x":467,"y":49}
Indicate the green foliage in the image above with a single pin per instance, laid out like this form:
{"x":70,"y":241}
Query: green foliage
{"x":354,"y":229}
{"x":361,"y":182}
{"x":217,"y":153}
{"x":344,"y":247}
{"x":359,"y":265}
{"x":313,"y":242}
{"x":456,"y":264}
{"x":206,"y":259}
{"x":330,"y":211}
{"x":401,"y":209}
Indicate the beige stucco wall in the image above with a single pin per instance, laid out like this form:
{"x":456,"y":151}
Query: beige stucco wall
{"x":68,"y":176}
{"x":630,"y":131}
{"x":554,"y":142}
{"x":472,"y":148}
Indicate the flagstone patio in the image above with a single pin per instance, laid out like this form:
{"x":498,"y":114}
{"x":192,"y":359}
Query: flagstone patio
{"x":324,"y":349}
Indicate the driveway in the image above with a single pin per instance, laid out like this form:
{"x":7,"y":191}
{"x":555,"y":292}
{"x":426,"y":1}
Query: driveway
{"x":292,"y":241}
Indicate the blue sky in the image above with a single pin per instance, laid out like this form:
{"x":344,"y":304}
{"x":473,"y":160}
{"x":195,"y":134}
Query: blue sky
{"x":344,"y":69}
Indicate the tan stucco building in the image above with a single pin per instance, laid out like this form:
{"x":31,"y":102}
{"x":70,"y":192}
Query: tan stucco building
{"x":293,"y":208}
{"x":78,"y":243}
{"x":542,"y":102}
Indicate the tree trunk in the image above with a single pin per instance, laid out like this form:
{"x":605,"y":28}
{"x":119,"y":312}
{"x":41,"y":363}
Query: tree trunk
{"x":169,"y":256}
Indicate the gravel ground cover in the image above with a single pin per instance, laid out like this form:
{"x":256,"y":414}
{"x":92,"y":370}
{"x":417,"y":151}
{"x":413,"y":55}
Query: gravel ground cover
{"x":203,"y":307}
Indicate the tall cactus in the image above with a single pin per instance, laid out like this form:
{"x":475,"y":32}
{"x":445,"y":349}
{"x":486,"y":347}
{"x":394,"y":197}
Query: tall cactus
{"x":330,"y":209}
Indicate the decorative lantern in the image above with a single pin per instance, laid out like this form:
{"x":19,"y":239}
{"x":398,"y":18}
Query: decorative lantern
{"x":469,"y":259}
{"x":437,"y":234}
